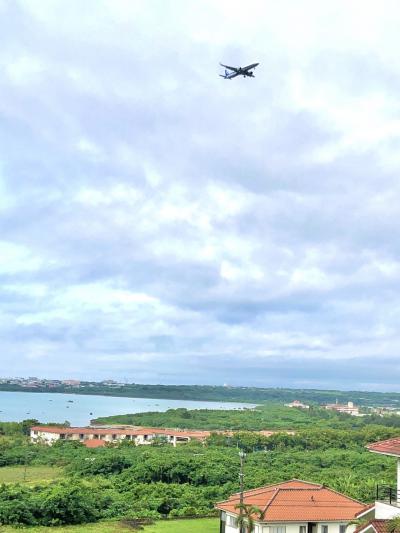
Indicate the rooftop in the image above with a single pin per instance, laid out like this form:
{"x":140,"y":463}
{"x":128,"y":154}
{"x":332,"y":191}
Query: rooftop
{"x":387,"y":447}
{"x":296,"y":500}
{"x":94,"y":443}
{"x":379,"y":526}
{"x":118,"y":431}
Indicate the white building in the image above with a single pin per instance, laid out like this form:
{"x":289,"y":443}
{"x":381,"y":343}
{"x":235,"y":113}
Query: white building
{"x":94,"y":437}
{"x":298,"y":404}
{"x":348,"y":408}
{"x":293,"y":507}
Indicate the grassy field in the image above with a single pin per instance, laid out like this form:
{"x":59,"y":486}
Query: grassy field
{"x":202,"y":525}
{"x":32,"y":475}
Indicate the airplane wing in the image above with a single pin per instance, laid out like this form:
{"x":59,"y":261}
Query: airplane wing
{"x":230,"y":68}
{"x":249,"y":67}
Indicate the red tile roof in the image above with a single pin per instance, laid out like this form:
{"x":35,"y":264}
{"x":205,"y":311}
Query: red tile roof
{"x":94,"y":443}
{"x":295,"y":501}
{"x":379,"y":526}
{"x":195,"y":434}
{"x":387,"y":447}
{"x":366,"y":509}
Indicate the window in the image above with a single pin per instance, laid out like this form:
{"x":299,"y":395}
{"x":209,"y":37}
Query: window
{"x":324,"y":529}
{"x":62,"y":436}
{"x":277,"y":529}
{"x":114,"y":437}
{"x":302,"y":529}
{"x":81,"y":436}
{"x":342,"y":528}
{"x":231,"y":521}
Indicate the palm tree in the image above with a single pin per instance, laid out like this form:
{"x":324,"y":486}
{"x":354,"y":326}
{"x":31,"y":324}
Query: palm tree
{"x":394,"y":525}
{"x":245,"y":518}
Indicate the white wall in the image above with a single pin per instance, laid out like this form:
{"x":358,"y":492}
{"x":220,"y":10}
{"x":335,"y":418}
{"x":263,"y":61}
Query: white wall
{"x":42,"y":436}
{"x":384,"y":511}
{"x":333,"y":527}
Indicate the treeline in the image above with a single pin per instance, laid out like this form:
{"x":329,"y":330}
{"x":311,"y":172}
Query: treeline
{"x":270,"y":416}
{"x":219,"y":393}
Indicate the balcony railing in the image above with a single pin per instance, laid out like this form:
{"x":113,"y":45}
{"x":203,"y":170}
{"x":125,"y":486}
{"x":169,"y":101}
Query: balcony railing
{"x":387,"y":494}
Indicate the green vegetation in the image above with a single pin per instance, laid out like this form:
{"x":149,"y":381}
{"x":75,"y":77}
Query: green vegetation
{"x":29,"y":474}
{"x":128,"y":482}
{"x":202,"y":525}
{"x":199,"y":525}
{"x":269,"y":416}
{"x":219,"y":393}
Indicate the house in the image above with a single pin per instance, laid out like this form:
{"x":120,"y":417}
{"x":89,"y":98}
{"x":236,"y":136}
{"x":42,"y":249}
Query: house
{"x":373,"y":526}
{"x":387,"y":505}
{"x":138,"y":435}
{"x":348,"y":408}
{"x":293,"y":506}
{"x":298,"y":404}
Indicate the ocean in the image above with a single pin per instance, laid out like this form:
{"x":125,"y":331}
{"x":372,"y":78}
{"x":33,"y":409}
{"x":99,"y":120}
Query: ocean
{"x":79,"y":409}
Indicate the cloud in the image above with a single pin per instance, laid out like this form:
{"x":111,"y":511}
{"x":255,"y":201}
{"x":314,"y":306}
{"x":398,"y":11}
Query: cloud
{"x":163,"y":225}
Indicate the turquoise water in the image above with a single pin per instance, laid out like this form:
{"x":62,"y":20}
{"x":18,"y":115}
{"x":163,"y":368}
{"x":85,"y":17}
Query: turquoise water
{"x":79,"y":409}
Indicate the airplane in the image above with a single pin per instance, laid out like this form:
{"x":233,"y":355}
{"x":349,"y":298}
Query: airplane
{"x":246,"y":72}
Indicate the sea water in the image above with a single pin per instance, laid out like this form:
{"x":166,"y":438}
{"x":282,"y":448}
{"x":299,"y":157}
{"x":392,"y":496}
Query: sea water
{"x":79,"y":409}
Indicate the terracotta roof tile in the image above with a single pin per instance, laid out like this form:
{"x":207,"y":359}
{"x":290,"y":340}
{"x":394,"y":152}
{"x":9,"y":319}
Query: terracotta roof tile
{"x":295,"y":501}
{"x":94,"y":443}
{"x":367,"y":508}
{"x":387,"y":447}
{"x":195,"y":434}
{"x":379,"y":526}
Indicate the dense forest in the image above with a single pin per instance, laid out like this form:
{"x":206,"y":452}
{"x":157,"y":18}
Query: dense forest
{"x":159,"y":480}
{"x":219,"y":393}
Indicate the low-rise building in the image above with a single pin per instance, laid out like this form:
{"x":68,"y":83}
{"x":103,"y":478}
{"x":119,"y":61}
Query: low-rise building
{"x":138,"y":435}
{"x":348,"y":408}
{"x":373,"y":526}
{"x":292,"y":507}
{"x":298,"y":404}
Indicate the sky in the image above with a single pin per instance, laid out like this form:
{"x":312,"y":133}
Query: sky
{"x":159,"y":224}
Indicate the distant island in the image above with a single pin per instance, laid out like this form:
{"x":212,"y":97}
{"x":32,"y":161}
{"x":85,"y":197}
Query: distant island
{"x":200,"y":392}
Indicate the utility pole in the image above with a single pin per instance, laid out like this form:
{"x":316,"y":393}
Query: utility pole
{"x":242,"y":457}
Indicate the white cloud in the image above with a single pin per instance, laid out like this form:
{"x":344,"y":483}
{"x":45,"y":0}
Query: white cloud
{"x":154,"y":213}
{"x":25,"y":70}
{"x":15,"y":258}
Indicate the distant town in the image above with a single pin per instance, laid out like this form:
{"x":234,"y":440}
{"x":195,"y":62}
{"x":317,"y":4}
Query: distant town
{"x":33,"y":382}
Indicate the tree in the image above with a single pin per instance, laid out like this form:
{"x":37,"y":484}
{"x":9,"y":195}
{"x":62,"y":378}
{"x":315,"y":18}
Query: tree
{"x":394,"y":525}
{"x":245,"y":518}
